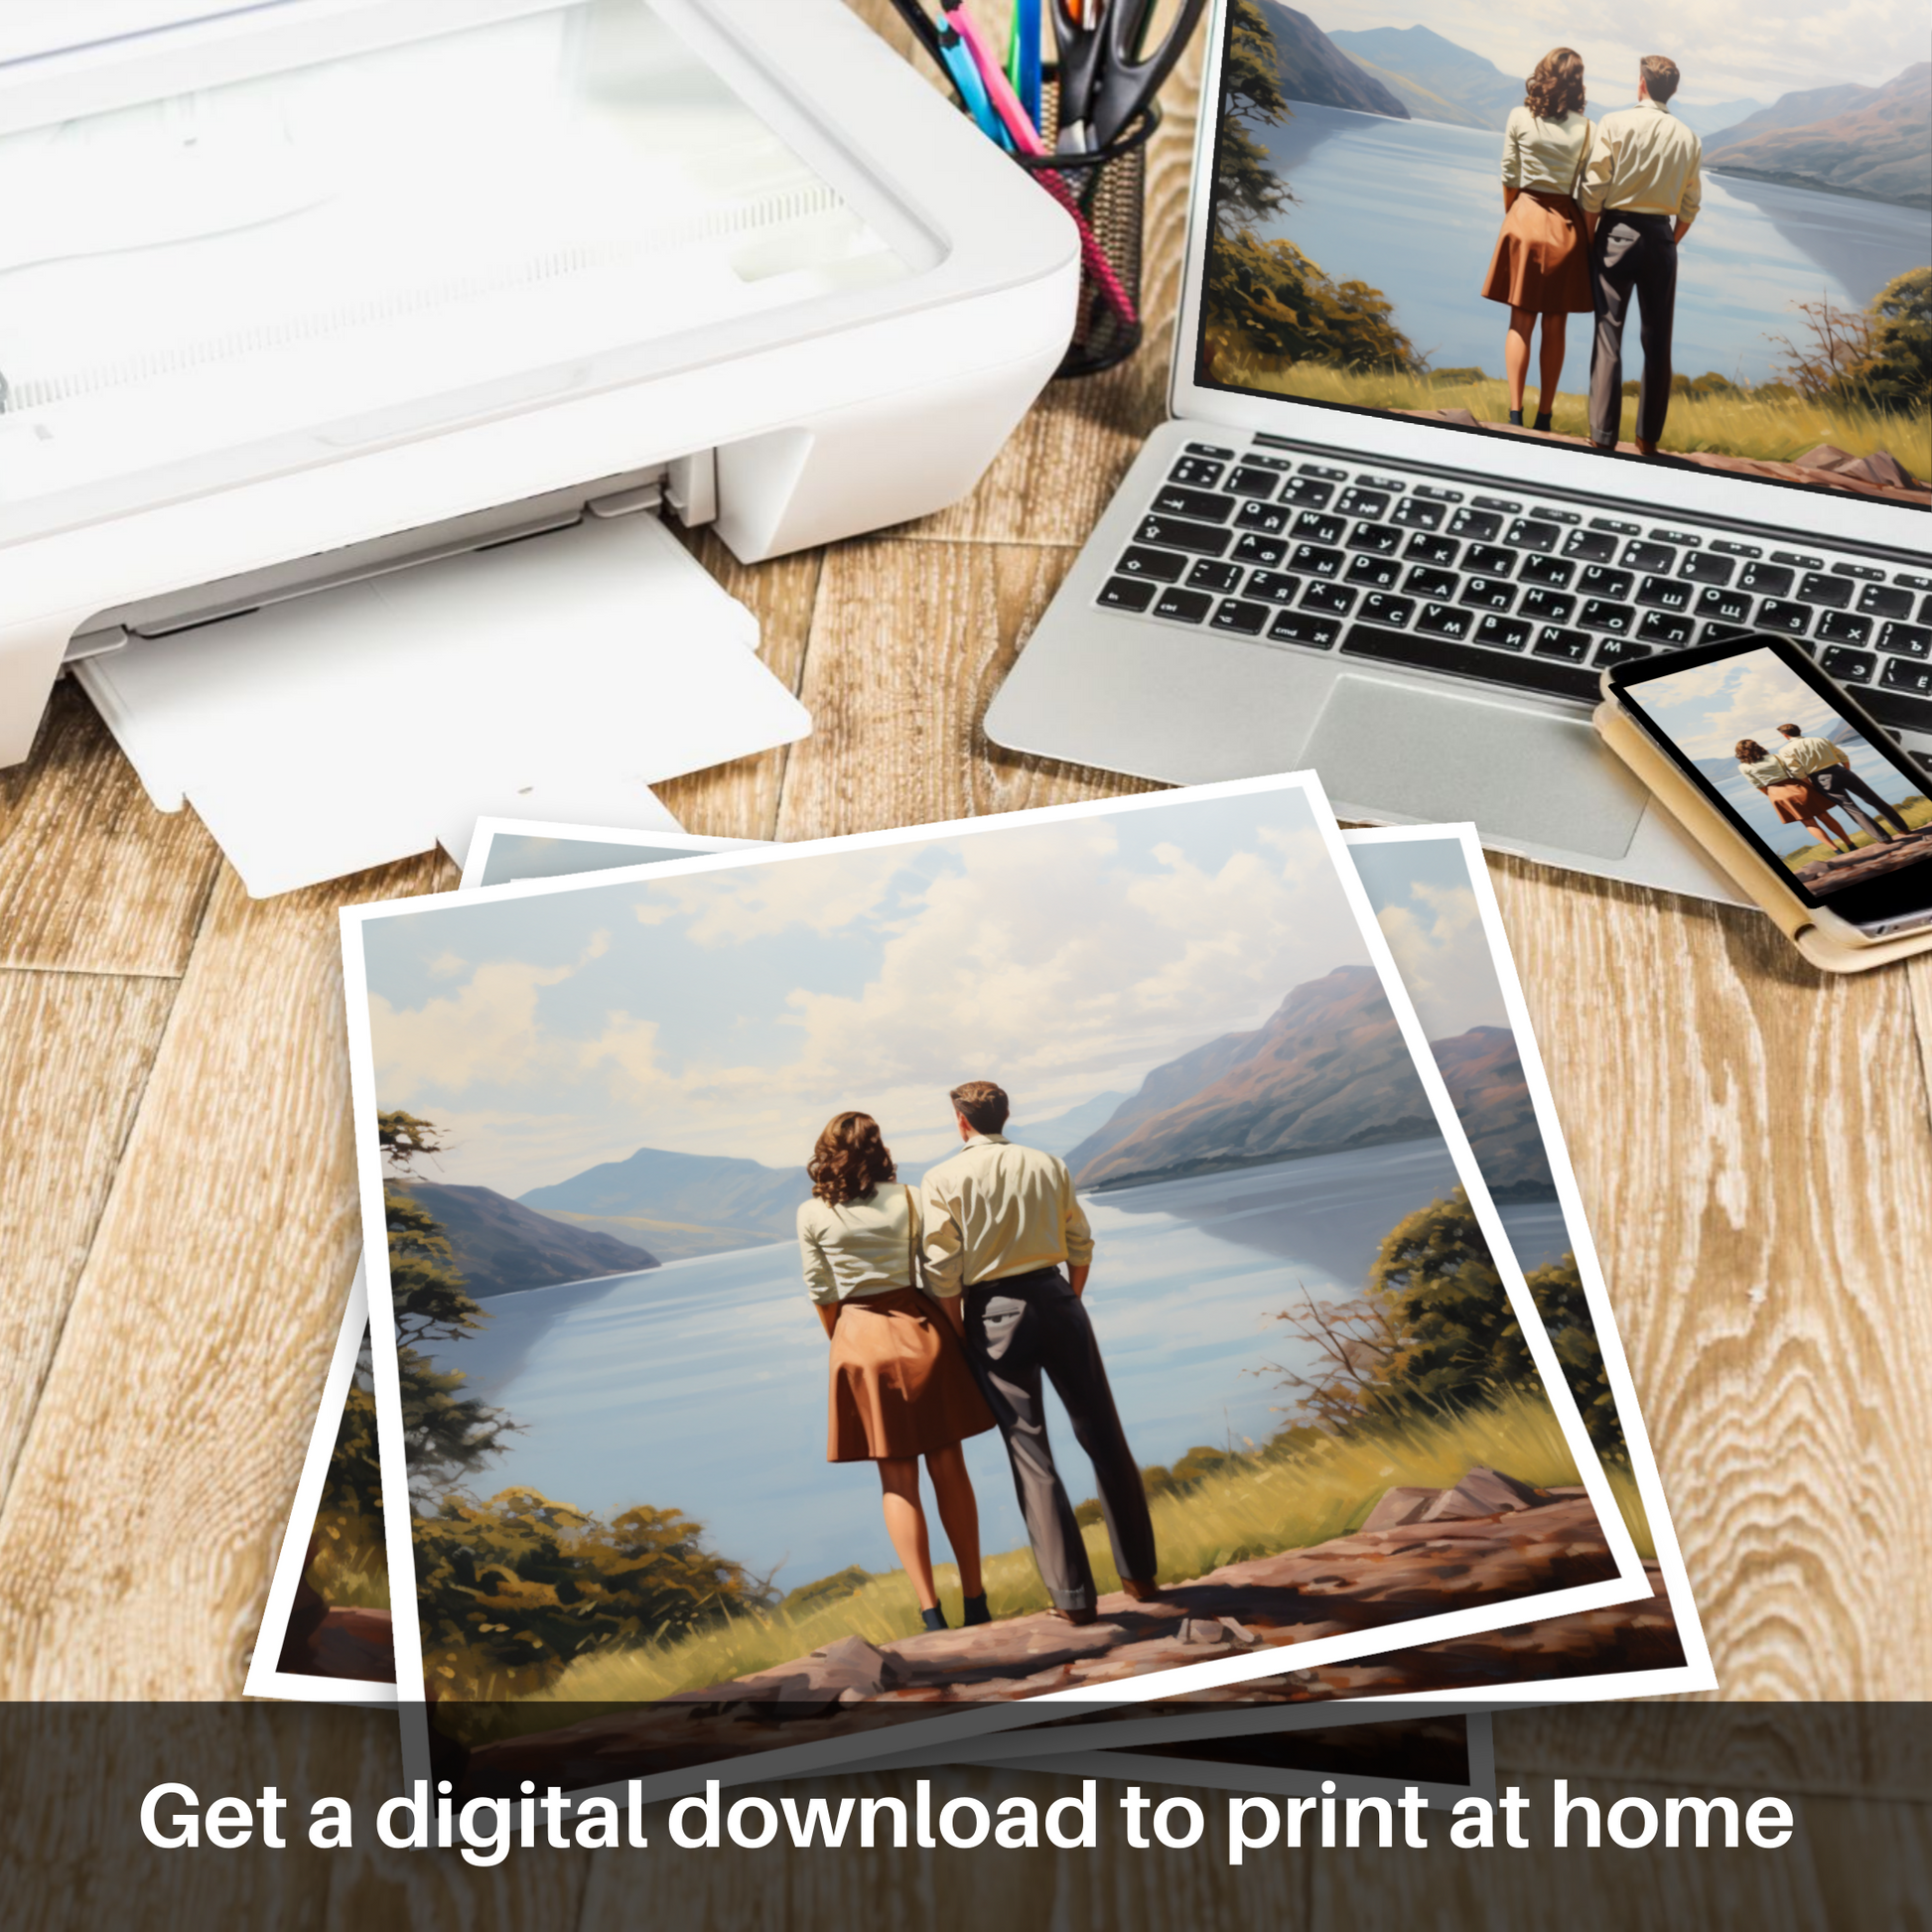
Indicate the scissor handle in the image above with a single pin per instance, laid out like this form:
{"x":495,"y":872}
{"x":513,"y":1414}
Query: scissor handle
{"x":1127,"y":79}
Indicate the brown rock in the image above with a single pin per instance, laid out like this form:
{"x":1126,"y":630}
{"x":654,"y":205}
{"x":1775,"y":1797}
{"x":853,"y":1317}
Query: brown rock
{"x":359,"y":1645}
{"x":1827,"y":455}
{"x":1400,"y":1506}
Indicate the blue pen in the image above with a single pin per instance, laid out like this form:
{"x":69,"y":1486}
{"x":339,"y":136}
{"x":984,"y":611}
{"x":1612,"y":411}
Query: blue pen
{"x":965,"y":75}
{"x":1026,"y":76}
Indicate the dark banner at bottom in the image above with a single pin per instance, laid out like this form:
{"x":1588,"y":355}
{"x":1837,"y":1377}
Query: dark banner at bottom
{"x":1615,"y":1816}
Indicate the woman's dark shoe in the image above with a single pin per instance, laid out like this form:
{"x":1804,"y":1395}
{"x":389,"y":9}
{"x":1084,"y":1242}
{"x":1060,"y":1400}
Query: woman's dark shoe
{"x":1078,"y":1618}
{"x":975,"y":1611}
{"x":1516,"y":418}
{"x":1542,"y":423}
{"x":934,"y":1618}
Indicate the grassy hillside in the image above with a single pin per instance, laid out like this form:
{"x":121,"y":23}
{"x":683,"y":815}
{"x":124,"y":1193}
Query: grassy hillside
{"x":1770,"y":429}
{"x":1263,"y":1505}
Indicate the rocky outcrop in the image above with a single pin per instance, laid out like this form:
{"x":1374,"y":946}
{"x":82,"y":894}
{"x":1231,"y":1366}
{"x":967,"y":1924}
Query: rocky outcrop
{"x":1533,"y":1542}
{"x":1867,"y":862}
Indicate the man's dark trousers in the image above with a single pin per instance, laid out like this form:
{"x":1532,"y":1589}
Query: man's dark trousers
{"x":1842,"y":787}
{"x":1635,"y":254}
{"x":1016,"y":1329}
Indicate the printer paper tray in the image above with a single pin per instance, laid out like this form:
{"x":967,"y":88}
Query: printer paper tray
{"x":557,"y":677}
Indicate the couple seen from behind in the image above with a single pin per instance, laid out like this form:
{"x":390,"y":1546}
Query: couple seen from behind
{"x":946,"y":1306}
{"x":1592,"y":216}
{"x":1806,"y":778}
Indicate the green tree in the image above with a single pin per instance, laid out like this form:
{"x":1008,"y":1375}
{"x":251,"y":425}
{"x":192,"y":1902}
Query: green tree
{"x":1246,"y":186}
{"x":1896,"y":368}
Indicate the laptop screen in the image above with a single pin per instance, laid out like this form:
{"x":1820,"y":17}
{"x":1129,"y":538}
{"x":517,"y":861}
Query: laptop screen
{"x":1414,"y":200}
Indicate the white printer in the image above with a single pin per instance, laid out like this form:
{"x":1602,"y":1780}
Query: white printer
{"x":311,"y":309}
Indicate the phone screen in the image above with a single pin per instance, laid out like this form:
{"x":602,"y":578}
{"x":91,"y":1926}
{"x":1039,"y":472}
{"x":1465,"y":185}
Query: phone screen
{"x":1831,"y":803}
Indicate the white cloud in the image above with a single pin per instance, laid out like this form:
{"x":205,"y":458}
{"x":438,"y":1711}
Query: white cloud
{"x":1757,"y":696}
{"x":765,"y":900}
{"x":1442,"y":955}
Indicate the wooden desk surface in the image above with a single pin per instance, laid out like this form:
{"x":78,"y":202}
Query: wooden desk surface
{"x":1752,"y":1139}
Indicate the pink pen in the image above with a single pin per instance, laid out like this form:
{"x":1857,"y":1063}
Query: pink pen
{"x":1025,"y":138}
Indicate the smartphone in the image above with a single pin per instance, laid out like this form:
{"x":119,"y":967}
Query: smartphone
{"x":1836,"y":809}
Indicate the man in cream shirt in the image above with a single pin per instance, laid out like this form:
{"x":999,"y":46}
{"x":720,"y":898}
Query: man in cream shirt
{"x":999,"y":1220}
{"x":1829,"y":769}
{"x":1642,"y":189}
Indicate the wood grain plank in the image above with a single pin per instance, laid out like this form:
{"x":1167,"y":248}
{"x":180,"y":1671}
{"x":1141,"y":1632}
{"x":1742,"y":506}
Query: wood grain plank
{"x":908,"y":644}
{"x":740,"y":800}
{"x":75,"y":1053}
{"x":96,"y":880}
{"x":154,"y":1484}
{"x":1752,"y":1144}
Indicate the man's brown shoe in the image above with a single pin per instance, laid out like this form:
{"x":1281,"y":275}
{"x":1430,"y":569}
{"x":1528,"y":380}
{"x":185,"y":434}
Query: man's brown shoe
{"x":1076,"y":1617}
{"x":1141,"y":1592}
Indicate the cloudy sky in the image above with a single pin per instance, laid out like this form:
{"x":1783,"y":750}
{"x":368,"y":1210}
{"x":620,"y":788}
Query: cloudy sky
{"x":733,"y":1012}
{"x":1727,"y":50}
{"x":1709,"y":709}
{"x":1420,"y":889}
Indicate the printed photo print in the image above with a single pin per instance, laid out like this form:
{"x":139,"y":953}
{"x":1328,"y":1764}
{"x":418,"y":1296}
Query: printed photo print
{"x":1702,"y":231}
{"x":1798,"y":775}
{"x":771,"y":1097}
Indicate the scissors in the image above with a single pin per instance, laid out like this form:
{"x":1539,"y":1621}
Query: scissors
{"x":1106,"y":74}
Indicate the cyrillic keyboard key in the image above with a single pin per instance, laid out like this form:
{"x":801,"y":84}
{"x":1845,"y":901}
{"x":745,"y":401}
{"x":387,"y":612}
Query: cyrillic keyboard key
{"x":1776,"y":614}
{"x":1590,"y":546}
{"x":1418,"y":513}
{"x":1356,"y":501}
{"x":1546,"y":606}
{"x":1275,"y":586}
{"x":1127,"y":593}
{"x":1299,"y":627}
{"x":1306,"y":493}
{"x":1649,"y":556}
{"x":1176,"y":533}
{"x":1183,"y":606}
{"x":1384,"y":539}
{"x":1234,"y":613}
{"x":1552,"y":571}
{"x":1436,"y":653}
{"x":1487,"y":595}
{"x":1480,"y":524}
{"x":1906,"y":674}
{"x":1598,"y":582}
{"x":1618,"y":651}
{"x":1313,"y":527}
{"x":1269,"y":519}
{"x":1314,"y":561}
{"x":1431,"y":582}
{"x":1666,"y":628}
{"x":1573,"y":647}
{"x":1489,"y":560}
{"x":1848,"y":666}
{"x":1599,"y":613}
{"x":1445,"y":620}
{"x":1394,"y":612}
{"x":1502,"y":634}
{"x":1208,"y":575}
{"x":1664,"y":594}
{"x":1424,"y":549}
{"x":1379,"y":573}
{"x":1160,"y":565}
{"x":1842,"y":627}
{"x":1906,"y":639}
{"x":1723,"y":607}
{"x":1250,"y":548}
{"x":1331,"y":598}
{"x":1700,"y":567}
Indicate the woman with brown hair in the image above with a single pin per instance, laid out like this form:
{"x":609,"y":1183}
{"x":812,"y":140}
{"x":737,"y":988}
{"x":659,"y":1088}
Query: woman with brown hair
{"x":1795,"y":799}
{"x":901,"y":1385}
{"x":1541,"y":263}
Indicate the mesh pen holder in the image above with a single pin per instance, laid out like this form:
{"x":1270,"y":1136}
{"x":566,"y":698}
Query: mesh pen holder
{"x":1106,"y":192}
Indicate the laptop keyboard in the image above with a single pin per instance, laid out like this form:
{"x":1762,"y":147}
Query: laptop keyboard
{"x":1527,"y":594}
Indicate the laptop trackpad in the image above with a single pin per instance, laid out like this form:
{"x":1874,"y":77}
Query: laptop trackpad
{"x":1385,"y":747}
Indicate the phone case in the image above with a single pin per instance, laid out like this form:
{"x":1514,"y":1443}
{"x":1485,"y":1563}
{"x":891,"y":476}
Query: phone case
{"x":1734,"y":856}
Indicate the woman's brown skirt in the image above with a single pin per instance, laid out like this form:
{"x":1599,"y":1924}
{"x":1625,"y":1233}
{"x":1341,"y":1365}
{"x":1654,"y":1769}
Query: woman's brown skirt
{"x":1542,"y":261}
{"x":901,"y":1385}
{"x":1799,"y":802}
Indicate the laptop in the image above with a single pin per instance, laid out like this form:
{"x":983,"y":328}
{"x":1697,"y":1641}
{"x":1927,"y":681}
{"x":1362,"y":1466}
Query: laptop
{"x":1337,"y":554}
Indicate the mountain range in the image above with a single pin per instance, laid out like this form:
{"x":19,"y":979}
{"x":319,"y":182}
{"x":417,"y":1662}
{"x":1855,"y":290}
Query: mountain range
{"x":1874,"y":142}
{"x":1433,"y":78}
{"x":502,"y":1248}
{"x":1312,"y":68}
{"x":1491,"y":1094}
{"x":1328,"y":1072}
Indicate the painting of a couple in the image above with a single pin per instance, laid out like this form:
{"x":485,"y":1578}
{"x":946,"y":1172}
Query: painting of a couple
{"x":945,"y":1306}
